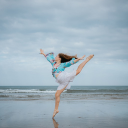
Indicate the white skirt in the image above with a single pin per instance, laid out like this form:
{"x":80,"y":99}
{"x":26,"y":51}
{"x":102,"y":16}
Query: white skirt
{"x":64,"y":78}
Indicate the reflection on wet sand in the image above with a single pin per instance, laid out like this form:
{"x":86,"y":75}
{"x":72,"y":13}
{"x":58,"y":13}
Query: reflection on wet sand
{"x":55,"y":123}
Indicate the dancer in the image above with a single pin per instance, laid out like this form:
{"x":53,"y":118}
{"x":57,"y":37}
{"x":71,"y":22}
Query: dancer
{"x":59,"y":63}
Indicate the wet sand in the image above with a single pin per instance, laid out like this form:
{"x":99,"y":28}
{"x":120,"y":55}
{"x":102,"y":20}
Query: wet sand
{"x":72,"y":114}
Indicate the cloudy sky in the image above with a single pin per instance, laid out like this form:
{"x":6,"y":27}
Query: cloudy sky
{"x":81,"y":27}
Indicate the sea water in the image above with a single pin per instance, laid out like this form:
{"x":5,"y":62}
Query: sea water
{"x":74,"y":93}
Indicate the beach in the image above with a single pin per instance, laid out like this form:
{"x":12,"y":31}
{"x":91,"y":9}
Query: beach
{"x":77,"y":110}
{"x":72,"y":114}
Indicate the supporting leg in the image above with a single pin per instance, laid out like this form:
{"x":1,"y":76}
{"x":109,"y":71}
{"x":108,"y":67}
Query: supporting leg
{"x":57,"y":100}
{"x":80,"y":67}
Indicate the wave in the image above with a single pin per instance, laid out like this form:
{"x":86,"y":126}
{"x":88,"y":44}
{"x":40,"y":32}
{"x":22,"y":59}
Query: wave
{"x":99,"y":91}
{"x":26,"y":91}
{"x":63,"y":96}
{"x":21,"y":96}
{"x":65,"y":91}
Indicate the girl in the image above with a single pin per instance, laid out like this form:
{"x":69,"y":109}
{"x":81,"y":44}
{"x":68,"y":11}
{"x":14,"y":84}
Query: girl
{"x":59,"y":63}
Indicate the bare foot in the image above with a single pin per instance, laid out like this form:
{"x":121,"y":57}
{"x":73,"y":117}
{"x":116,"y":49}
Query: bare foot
{"x":55,"y":112}
{"x":90,"y":57}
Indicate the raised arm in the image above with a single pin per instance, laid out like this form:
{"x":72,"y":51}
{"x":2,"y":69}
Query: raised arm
{"x":49,"y":56}
{"x":71,"y":62}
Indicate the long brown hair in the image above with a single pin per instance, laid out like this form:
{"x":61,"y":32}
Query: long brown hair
{"x":66,"y":57}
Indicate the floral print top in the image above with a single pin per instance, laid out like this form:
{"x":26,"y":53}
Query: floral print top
{"x":61,"y":67}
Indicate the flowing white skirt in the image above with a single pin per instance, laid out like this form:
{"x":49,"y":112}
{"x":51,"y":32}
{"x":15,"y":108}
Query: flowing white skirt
{"x":64,"y":78}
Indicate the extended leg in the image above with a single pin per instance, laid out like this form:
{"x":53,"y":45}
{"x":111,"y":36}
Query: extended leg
{"x":83,"y":64}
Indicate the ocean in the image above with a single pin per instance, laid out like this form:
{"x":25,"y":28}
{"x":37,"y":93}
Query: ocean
{"x":75,"y":93}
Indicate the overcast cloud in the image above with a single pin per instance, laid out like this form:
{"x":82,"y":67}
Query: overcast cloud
{"x":83,"y":27}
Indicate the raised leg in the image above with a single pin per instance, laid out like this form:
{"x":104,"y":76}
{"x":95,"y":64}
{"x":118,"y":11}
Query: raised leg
{"x":80,"y":67}
{"x":57,"y":100}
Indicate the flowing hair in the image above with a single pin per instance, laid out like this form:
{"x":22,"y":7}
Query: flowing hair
{"x":66,"y":57}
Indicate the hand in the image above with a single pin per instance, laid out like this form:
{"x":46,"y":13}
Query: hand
{"x":82,"y":57}
{"x":41,"y":51}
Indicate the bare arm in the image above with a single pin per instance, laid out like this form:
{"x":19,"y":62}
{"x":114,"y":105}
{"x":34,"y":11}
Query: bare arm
{"x":72,"y":61}
{"x":49,"y":56}
{"x":42,"y":52}
{"x":81,"y":58}
{"x":76,"y":60}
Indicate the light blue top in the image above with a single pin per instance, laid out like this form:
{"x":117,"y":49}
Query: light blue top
{"x":50,"y":57}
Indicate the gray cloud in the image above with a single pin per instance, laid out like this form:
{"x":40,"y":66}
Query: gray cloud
{"x":76,"y":27}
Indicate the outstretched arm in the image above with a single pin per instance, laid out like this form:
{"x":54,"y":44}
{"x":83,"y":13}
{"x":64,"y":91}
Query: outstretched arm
{"x":81,"y":58}
{"x":50,"y":56}
{"x":72,"y":61}
{"x":42,"y":52}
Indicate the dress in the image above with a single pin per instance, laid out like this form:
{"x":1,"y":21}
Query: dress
{"x":64,"y":77}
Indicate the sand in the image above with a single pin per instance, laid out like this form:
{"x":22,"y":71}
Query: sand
{"x":72,"y":114}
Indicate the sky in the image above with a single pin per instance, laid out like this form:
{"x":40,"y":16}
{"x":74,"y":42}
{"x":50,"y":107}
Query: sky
{"x":83,"y":27}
